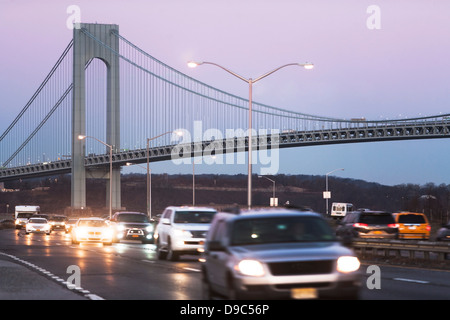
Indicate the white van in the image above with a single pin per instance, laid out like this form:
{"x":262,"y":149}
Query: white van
{"x":340,"y":209}
{"x":23,"y":213}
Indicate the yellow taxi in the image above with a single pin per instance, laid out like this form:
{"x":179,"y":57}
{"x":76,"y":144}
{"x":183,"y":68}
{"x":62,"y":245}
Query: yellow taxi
{"x":412,"y":225}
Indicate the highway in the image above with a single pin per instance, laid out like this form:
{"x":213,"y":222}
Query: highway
{"x":131,"y":271}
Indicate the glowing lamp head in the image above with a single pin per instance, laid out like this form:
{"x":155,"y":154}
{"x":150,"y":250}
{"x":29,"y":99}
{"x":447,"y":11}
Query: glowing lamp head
{"x":193,"y":64}
{"x":308,"y":66}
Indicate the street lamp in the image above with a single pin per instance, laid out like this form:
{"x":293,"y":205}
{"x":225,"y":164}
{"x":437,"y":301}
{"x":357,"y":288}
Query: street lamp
{"x":82,"y":137}
{"x":273,"y":191}
{"x":149,"y":187}
{"x":193,"y":179}
{"x":250,"y":81}
{"x":149,"y":181}
{"x":326,"y":194}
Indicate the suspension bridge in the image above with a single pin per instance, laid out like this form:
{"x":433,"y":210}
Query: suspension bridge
{"x":106,"y":87}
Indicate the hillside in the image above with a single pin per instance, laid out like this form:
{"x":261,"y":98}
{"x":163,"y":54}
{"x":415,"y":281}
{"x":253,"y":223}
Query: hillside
{"x":53,"y":194}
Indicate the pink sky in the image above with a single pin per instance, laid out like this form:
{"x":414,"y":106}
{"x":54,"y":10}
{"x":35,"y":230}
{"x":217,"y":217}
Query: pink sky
{"x":400,"y":70}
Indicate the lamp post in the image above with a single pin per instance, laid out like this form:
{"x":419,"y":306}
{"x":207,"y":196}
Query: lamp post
{"x":193,"y":178}
{"x":273,"y":190}
{"x":250,"y":81}
{"x":326,"y":187}
{"x":149,"y":187}
{"x":82,"y":137}
{"x":149,"y":182}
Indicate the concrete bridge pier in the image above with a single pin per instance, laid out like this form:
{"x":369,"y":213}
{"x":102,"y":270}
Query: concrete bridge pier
{"x":84,"y":49}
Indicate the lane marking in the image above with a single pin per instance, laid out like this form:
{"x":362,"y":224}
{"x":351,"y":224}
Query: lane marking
{"x":69,"y":286}
{"x":412,"y":280}
{"x":192,"y":269}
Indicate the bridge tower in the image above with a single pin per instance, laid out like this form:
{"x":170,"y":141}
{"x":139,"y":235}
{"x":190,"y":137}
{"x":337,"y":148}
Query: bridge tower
{"x":84,"y":49}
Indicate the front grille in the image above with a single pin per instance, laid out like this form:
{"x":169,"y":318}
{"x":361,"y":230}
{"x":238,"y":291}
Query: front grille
{"x":288,"y":286}
{"x":199,"y":234}
{"x":301,"y":267}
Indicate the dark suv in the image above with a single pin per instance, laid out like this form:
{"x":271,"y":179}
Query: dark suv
{"x":368,"y":224}
{"x":132,"y":226}
{"x":277,"y":253}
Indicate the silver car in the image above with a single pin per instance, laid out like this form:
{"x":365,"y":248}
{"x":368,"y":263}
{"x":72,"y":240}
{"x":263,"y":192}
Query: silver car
{"x":277,"y":254}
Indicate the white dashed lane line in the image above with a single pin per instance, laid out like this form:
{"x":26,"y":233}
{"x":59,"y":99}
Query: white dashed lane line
{"x":411,"y":280}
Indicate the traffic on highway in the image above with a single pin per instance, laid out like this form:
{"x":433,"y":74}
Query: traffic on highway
{"x":197,"y":253}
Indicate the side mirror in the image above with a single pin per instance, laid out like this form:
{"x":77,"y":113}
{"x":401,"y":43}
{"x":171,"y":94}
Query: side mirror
{"x":165,"y":221}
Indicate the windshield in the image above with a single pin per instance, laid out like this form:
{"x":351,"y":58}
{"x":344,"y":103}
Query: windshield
{"x":133,"y":218}
{"x":24,"y":215}
{"x":37,"y":220}
{"x":92,"y":223}
{"x":194,"y":216}
{"x":280,"y":229}
{"x":58,"y":218}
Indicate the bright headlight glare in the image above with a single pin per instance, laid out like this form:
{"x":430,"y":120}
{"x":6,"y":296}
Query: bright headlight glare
{"x":250,"y":268}
{"x":348,"y":264}
{"x":81,"y":231}
{"x":107,"y":233}
{"x":149,"y":229}
{"x":182,"y":233}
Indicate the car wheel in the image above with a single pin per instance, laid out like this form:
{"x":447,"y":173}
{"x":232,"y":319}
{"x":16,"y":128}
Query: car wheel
{"x":159,"y":253}
{"x":171,"y":254}
{"x":207,"y":293}
{"x":232,"y":292}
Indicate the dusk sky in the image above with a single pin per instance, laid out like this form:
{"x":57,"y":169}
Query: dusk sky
{"x":377,"y":59}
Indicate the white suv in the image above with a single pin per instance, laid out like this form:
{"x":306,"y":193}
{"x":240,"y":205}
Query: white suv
{"x":182,"y":230}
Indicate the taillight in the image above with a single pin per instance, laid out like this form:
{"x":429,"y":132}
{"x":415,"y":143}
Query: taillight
{"x":428,"y":228}
{"x":360,"y":225}
{"x":393,"y":225}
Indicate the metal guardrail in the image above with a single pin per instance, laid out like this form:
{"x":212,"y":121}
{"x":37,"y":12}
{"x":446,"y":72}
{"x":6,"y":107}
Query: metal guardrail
{"x":428,"y":249}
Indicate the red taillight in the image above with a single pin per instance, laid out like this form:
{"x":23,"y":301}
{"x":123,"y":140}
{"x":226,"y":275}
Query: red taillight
{"x":428,"y":228}
{"x":393,"y":225}
{"x":360,"y":225}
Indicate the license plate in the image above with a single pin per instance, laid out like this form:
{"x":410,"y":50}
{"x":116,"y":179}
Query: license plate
{"x":304,"y":293}
{"x":412,"y":228}
{"x":38,"y":230}
{"x":135,"y":236}
{"x":378,"y":232}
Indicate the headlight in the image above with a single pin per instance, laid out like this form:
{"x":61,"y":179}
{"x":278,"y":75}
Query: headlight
{"x":107,"y":233}
{"x":182,"y":233}
{"x":250,"y":268}
{"x":347,"y":264}
{"x":149,"y":228}
{"x":80,"y":231}
{"x":120,"y":228}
